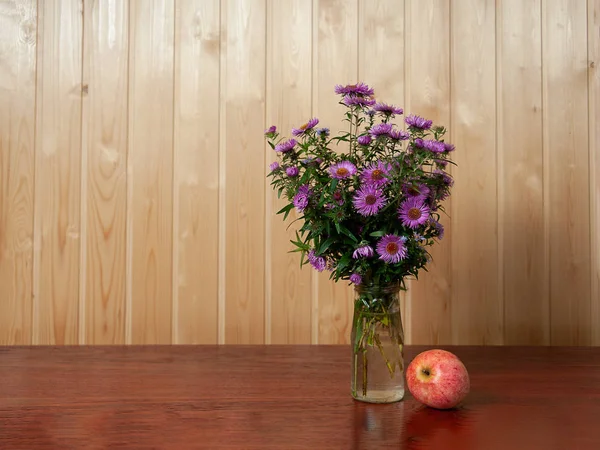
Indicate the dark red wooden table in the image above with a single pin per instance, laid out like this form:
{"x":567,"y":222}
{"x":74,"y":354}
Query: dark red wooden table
{"x":286,"y":397}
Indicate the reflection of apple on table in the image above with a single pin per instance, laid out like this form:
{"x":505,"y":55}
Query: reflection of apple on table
{"x":438,"y":378}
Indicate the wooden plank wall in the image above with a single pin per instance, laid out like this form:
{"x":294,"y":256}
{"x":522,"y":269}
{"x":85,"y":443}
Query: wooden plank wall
{"x":134,"y":206}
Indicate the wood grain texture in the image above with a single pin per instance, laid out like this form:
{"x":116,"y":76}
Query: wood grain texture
{"x":175,"y":397}
{"x":428,"y":95}
{"x":335,"y":56}
{"x":134,"y":206}
{"x":476,"y":305}
{"x":289,"y":88}
{"x":196,"y":181}
{"x":245,"y":171}
{"x":150,"y":169}
{"x":104,"y":188}
{"x":521,"y":173}
{"x":18,"y":23}
{"x":565,"y":100}
{"x":593,"y":10}
{"x":58,"y":174}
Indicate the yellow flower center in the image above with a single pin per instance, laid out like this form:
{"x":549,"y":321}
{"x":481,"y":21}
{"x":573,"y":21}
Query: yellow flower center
{"x":391,"y":248}
{"x":303,"y":127}
{"x":377,"y":175}
{"x":342,"y":171}
{"x":414,"y":213}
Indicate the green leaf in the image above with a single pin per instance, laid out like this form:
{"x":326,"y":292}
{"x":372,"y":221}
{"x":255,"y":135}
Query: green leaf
{"x":325,"y":245}
{"x":333,"y":185}
{"x":377,"y":234}
{"x":343,"y":262}
{"x":286,"y":208}
{"x":348,"y":233}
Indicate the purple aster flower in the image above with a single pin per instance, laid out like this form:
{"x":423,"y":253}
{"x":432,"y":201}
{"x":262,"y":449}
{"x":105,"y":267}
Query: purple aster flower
{"x":442,"y":163}
{"x":376,"y":174}
{"x":338,"y":197}
{"x":448,"y":147}
{"x":388,"y":110}
{"x":318,"y":262}
{"x":274,"y":166}
{"x":300,"y":201}
{"x":370,"y":112}
{"x":446,"y":178}
{"x":356,"y":278}
{"x":292,"y":171}
{"x":368,"y":200}
{"x":364,"y":251}
{"x":413,"y":212}
{"x":433,"y":146}
{"x":271,"y":130}
{"x":285,"y":146}
{"x":355,"y":100}
{"x":419,"y":143}
{"x":357,"y":89}
{"x":304,"y":128}
{"x":341,"y":170}
{"x":418,"y":122}
{"x":381,"y":129}
{"x":304,"y":189}
{"x":421,"y":191}
{"x":439,"y":228}
{"x":399,"y":135}
{"x":392,"y":248}
{"x":364,"y":140}
{"x":419,"y":237}
{"x":322,"y":132}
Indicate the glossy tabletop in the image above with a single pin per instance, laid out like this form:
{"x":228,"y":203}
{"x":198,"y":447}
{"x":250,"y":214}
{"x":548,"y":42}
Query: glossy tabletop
{"x":286,"y":397}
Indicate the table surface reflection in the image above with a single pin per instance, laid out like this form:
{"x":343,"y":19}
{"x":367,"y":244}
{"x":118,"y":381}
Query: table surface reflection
{"x":286,"y":397}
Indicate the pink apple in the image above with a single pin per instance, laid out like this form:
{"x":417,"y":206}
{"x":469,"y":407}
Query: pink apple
{"x":438,"y":379}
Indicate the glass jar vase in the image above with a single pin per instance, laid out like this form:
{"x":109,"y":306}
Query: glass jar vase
{"x":377,"y":345}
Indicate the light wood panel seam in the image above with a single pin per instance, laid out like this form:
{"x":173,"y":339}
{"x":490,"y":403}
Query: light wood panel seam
{"x":454,"y":339}
{"x":83,"y":198}
{"x":267,"y":285}
{"x":407,"y":295}
{"x":36,"y":242}
{"x":222,"y":171}
{"x":315,"y":86}
{"x":174,"y":196}
{"x":545,"y":171}
{"x":129,"y":196}
{"x":499,"y":142}
{"x":593,"y":93}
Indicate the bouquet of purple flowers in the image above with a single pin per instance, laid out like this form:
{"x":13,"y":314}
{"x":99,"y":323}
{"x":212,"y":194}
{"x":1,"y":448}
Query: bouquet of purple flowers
{"x":369,"y":199}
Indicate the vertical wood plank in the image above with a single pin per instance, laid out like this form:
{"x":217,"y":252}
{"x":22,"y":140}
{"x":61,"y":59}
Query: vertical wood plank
{"x":594,"y":143}
{"x":335,"y":48}
{"x":476,"y":304}
{"x":289,"y":87}
{"x":18,"y":23}
{"x":58,"y":174}
{"x":245,"y":191}
{"x":526,"y":300}
{"x":150,"y":169}
{"x":428,"y":95}
{"x":565,"y":100}
{"x":105,"y":76}
{"x":196,"y":182}
{"x":381,"y":49}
